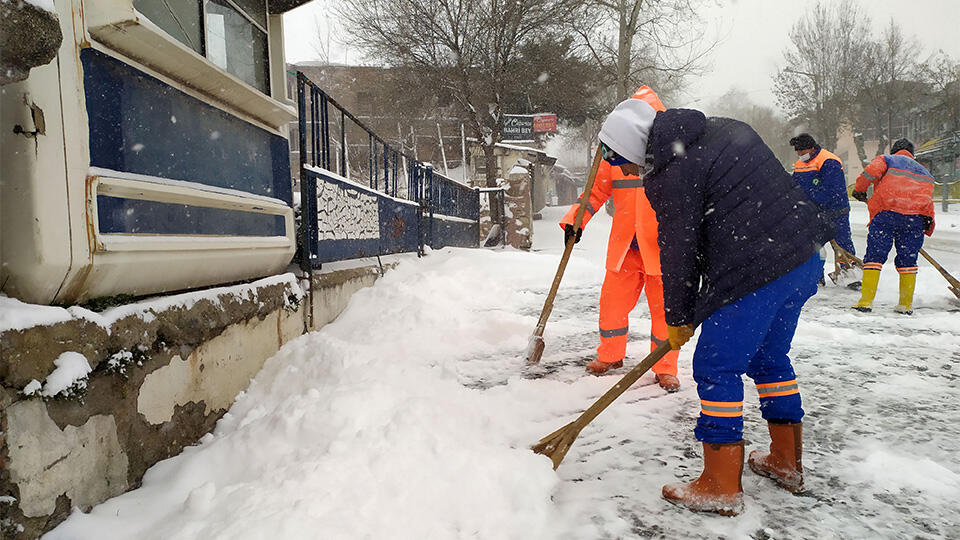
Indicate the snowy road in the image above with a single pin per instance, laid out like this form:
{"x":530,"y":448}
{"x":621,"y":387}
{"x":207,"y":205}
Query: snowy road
{"x":410,"y":417}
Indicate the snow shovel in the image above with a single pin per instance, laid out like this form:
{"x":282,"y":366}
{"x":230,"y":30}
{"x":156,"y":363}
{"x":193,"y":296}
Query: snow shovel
{"x":954,"y":283}
{"x":842,"y":256}
{"x":536,"y":344}
{"x":556,"y":444}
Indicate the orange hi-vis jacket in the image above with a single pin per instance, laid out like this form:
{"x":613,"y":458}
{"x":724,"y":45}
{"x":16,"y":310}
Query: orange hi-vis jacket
{"x":634,"y":217}
{"x":901,"y":185}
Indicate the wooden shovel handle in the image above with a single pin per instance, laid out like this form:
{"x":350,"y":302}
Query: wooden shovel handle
{"x":845,"y":253}
{"x":626,"y":382}
{"x":943,"y":272}
{"x":577,"y":222}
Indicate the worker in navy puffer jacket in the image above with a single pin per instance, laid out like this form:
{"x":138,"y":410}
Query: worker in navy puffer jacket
{"x":739,"y":251}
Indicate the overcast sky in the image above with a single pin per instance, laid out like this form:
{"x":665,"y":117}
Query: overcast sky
{"x":754,"y":34}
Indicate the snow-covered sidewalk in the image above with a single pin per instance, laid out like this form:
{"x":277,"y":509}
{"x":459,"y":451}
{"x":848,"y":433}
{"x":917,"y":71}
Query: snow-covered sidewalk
{"x":411,"y":415}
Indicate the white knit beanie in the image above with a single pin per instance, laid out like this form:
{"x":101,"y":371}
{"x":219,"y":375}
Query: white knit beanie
{"x":627,"y":129}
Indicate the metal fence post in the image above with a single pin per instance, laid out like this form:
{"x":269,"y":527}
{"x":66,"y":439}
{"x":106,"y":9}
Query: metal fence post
{"x":418,"y":194}
{"x":430,"y":202}
{"x":476,"y":191}
{"x":503,"y":217}
{"x":304,"y":261}
{"x":314,"y":117}
{"x":370,"y":159}
{"x":325,"y":127}
{"x":343,"y":145}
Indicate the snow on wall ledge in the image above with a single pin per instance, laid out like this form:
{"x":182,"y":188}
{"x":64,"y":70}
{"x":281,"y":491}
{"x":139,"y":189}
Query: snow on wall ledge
{"x":90,"y":401}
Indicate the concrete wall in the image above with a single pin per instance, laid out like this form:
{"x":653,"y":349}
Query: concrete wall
{"x":176,"y":367}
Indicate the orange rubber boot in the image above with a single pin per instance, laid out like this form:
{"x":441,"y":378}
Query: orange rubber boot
{"x":596,"y":367}
{"x":668,"y":382}
{"x":782,"y":463}
{"x":666,"y":369}
{"x":718,"y":489}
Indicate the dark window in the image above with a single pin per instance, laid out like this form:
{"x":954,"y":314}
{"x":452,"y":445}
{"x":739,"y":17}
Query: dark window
{"x":233,"y":36}
{"x":255,"y":9}
{"x":179,"y":18}
{"x":236,"y":44}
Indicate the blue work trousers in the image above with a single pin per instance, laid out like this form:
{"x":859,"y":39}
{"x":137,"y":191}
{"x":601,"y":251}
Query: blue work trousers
{"x":752,"y":336}
{"x":888,"y":228}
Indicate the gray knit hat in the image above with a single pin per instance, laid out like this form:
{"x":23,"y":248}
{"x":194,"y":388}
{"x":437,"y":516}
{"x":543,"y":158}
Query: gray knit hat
{"x":627,"y":129}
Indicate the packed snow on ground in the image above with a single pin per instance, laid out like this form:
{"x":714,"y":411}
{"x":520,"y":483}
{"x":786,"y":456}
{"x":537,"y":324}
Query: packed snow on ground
{"x":411,"y":415}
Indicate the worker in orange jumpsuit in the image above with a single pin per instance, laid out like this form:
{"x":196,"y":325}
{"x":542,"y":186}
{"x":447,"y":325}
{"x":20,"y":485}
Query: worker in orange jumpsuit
{"x":633,"y":263}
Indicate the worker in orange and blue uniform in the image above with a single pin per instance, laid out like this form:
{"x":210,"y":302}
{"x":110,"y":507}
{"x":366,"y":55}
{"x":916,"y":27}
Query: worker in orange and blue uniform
{"x":633,"y":265}
{"x":820,"y":174}
{"x":901,"y":212}
{"x":739,"y":243}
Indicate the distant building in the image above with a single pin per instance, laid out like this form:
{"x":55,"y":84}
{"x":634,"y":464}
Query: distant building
{"x":389,"y":102}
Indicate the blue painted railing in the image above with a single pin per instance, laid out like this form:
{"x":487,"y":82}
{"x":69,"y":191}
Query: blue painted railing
{"x":392,"y":203}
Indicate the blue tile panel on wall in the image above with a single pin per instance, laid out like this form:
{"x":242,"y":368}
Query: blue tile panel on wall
{"x":139,"y":124}
{"x":399,"y":227}
{"x":453,"y":233}
{"x":135,"y":216}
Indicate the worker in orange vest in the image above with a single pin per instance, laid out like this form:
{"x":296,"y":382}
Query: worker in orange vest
{"x":633,"y":264}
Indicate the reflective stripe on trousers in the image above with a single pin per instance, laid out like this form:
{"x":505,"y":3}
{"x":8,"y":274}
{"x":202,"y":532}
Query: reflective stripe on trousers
{"x":619,"y":295}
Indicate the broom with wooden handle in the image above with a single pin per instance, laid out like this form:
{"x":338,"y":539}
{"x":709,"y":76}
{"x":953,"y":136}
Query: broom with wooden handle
{"x":556,"y":444}
{"x":536,"y":345}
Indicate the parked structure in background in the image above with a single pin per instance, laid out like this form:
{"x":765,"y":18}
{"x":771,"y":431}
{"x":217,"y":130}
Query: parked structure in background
{"x":150,"y":156}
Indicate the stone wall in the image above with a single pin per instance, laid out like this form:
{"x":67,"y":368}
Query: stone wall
{"x":163,"y":372}
{"x":29,"y":37}
{"x":519,"y":222}
{"x":519,"y":210}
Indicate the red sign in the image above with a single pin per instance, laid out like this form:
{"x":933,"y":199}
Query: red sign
{"x":543,"y":123}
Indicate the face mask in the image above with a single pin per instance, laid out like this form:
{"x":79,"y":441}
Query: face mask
{"x":805,"y":157}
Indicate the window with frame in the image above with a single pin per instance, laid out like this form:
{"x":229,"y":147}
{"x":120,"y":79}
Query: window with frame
{"x":231,"y":34}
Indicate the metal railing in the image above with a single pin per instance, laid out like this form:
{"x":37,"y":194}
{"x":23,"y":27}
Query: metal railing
{"x":360,"y":177}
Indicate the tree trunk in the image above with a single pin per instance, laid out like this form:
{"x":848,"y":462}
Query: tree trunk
{"x":624,"y":46}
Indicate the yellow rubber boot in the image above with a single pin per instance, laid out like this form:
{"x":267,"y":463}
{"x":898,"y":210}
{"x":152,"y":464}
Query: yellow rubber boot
{"x":907,"y":283}
{"x":868,"y":290}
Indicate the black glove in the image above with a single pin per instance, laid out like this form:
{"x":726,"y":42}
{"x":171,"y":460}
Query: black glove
{"x":859,"y":195}
{"x":927,"y":222}
{"x":568,"y":232}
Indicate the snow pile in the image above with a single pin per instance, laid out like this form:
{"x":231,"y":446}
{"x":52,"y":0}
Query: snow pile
{"x":46,"y":5}
{"x":43,"y":4}
{"x":363,"y":430}
{"x":17,"y":315}
{"x":69,"y":377}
